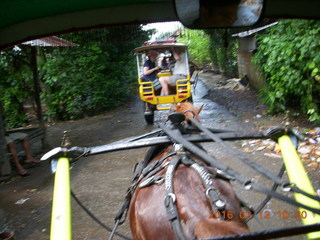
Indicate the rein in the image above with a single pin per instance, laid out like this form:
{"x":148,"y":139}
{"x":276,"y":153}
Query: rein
{"x":174,"y":132}
{"x":177,"y":137}
{"x":179,"y":156}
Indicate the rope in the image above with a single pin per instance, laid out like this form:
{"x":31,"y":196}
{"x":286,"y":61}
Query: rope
{"x":177,"y":137}
{"x":266,"y":200}
{"x":95,"y":218}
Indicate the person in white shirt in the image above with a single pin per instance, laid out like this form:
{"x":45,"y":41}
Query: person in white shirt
{"x":180,"y":71}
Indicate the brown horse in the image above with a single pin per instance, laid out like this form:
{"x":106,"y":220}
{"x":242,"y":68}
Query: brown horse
{"x":197,"y":219}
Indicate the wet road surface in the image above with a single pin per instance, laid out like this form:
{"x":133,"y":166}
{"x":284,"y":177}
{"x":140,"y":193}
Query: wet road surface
{"x":100,"y":182}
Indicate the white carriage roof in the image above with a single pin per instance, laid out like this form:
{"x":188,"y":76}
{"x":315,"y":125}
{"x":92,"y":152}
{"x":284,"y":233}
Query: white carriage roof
{"x":159,"y":46}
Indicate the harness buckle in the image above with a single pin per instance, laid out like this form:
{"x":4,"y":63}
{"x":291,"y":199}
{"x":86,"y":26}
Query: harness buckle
{"x":147,"y":182}
{"x":208,"y":190}
{"x":287,"y":187}
{"x":160,"y":180}
{"x":173,"y":196}
{"x":178,"y":147}
{"x":247,"y":185}
{"x":220,"y":204}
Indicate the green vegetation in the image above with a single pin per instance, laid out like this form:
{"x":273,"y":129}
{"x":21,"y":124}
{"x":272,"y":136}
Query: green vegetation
{"x":97,"y":75}
{"x":213,"y":49}
{"x":288,"y":58}
{"x":100,"y":73}
{"x":198,"y":42}
{"x":15,"y":86}
{"x":223,"y":48}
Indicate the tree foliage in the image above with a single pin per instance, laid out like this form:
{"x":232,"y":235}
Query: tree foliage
{"x":213,"y":48}
{"x":97,"y":75}
{"x":223,"y":48}
{"x":94,"y":77}
{"x":198,"y":42}
{"x":288,"y":58}
{"x":15,"y":85}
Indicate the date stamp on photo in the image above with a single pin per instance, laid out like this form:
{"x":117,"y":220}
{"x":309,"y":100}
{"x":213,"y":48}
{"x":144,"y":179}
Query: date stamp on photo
{"x":266,"y":214}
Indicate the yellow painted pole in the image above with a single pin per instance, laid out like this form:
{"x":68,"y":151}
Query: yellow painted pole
{"x":297,"y":175}
{"x":61,"y":203}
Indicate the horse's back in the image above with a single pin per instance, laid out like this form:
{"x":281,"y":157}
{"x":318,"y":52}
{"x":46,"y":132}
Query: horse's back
{"x":148,"y":217}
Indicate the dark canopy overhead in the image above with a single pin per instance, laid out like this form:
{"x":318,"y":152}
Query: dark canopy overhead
{"x":22,"y":20}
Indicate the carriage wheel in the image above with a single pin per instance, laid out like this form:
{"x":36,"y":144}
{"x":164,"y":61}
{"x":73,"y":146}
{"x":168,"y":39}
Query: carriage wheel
{"x":149,"y":113}
{"x":149,"y":118}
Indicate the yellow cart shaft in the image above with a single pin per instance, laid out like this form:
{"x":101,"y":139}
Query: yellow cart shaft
{"x":297,"y":174}
{"x":61,"y":204}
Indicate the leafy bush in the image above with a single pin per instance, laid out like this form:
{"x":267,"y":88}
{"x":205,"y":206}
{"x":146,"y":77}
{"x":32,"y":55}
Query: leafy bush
{"x":15,"y":87}
{"x":96,"y":76}
{"x":213,"y":48}
{"x":198,"y":42}
{"x":288,"y":58}
{"x":223,"y":49}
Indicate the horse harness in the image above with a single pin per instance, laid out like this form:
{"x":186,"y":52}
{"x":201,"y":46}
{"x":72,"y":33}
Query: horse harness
{"x":170,"y":200}
{"x":146,"y":175}
{"x":180,"y":156}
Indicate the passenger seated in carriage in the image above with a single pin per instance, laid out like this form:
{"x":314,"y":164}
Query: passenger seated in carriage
{"x":180,"y":71}
{"x":150,"y":70}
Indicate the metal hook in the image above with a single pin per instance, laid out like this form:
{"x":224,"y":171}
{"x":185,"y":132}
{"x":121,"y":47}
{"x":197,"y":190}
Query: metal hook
{"x":287,"y":187}
{"x":247,"y":185}
{"x":160,"y":180}
{"x":173,"y":196}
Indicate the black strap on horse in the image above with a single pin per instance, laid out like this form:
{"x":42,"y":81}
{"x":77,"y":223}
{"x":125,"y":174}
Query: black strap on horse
{"x":212,"y":193}
{"x":137,"y":179}
{"x":180,"y":156}
{"x":253,"y":165}
{"x":170,"y":200}
{"x":177,"y":137}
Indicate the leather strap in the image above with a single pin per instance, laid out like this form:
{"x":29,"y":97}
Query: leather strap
{"x":170,"y":200}
{"x":177,"y":137}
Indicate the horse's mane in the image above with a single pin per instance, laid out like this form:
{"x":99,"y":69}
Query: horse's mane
{"x":154,"y":151}
{"x":151,"y":154}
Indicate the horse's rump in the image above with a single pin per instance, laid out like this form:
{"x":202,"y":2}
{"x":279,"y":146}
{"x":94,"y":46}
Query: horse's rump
{"x":194,"y":192}
{"x":148,"y":216}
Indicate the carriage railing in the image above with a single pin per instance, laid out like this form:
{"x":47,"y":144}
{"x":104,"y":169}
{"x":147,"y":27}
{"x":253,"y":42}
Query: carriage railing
{"x":183,"y":88}
{"x":146,"y":89}
{"x":61,"y":209}
{"x":147,"y":92}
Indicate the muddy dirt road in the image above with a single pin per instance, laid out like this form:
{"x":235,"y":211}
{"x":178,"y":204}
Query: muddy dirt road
{"x":100,"y":181}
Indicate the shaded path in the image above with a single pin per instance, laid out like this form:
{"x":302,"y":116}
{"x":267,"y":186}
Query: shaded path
{"x":101,"y":181}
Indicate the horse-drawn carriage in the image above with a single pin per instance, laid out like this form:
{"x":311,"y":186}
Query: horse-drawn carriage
{"x":39,"y":20}
{"x":150,"y":89}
